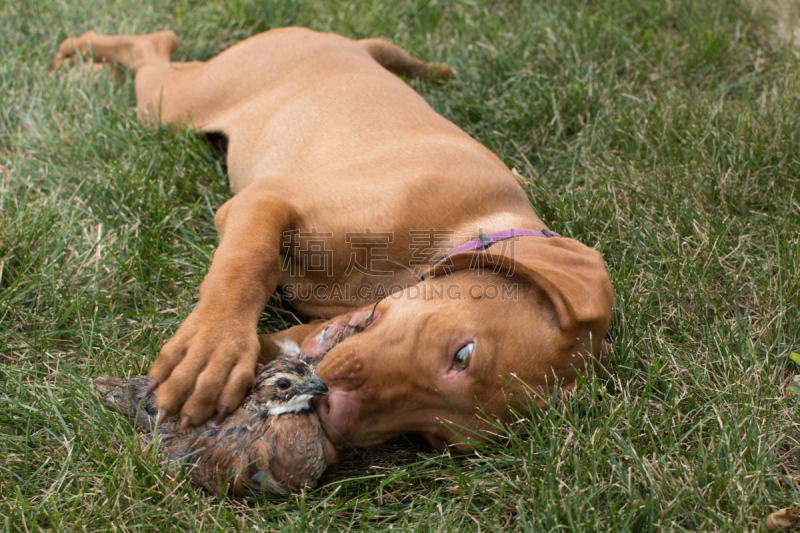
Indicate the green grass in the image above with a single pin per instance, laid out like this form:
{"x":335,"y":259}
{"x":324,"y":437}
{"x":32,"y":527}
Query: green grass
{"x":664,"y":133}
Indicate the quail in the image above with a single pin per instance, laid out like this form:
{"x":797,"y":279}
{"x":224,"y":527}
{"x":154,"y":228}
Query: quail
{"x":274,"y":442}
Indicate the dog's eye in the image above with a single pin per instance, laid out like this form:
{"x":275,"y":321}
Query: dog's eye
{"x":461,"y":360}
{"x":283,"y":384}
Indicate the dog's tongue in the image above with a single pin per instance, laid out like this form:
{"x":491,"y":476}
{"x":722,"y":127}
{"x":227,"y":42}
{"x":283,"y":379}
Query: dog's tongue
{"x":336,"y":331}
{"x":318,"y":345}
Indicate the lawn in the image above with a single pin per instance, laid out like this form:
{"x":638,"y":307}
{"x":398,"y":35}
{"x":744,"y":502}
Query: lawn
{"x":664,"y":133}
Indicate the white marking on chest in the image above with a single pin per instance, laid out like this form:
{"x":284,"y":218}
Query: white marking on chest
{"x":288,"y":347}
{"x":292,"y":406}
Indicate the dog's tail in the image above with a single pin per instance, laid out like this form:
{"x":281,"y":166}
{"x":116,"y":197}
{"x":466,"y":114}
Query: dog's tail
{"x":400,"y":62}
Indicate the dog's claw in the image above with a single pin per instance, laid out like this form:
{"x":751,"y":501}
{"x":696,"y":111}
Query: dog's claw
{"x":162,"y":415}
{"x":222,"y":413}
{"x":152,"y":384}
{"x":185,"y":422}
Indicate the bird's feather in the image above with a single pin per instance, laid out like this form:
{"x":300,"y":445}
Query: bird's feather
{"x":252,"y":450}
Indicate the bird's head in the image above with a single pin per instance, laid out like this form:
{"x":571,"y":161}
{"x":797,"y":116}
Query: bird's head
{"x":285,"y":386}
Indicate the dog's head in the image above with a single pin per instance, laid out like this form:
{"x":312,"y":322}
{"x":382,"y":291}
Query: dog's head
{"x":459,"y":346}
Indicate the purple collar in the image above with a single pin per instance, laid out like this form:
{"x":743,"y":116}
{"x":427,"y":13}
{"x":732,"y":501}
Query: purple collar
{"x":483,"y":241}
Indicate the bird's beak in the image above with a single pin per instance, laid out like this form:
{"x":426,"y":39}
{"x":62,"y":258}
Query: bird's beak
{"x":314,"y":387}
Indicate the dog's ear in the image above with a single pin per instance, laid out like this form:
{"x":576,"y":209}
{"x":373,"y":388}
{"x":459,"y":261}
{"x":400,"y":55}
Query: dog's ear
{"x":571,"y":275}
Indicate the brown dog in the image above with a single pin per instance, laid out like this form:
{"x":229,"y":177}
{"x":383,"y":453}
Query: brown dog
{"x":348,"y":189}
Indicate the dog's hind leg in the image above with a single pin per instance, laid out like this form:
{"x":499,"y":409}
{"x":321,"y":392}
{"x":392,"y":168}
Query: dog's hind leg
{"x":397,"y":60}
{"x":164,"y":89}
{"x":124,"y":50}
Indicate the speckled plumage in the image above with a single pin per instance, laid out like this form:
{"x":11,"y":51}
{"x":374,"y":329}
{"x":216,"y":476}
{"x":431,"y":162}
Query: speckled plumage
{"x":253,"y":450}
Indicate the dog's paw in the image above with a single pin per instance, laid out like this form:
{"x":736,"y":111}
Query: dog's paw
{"x":68,"y":48}
{"x":206,"y":367}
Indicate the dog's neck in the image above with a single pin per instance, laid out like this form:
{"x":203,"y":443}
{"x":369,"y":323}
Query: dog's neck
{"x":493,"y":223}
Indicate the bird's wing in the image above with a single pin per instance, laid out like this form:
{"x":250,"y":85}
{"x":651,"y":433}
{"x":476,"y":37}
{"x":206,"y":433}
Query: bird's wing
{"x":227,"y":457}
{"x":300,"y":454}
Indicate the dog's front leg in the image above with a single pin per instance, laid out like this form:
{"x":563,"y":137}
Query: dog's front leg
{"x":211,"y":360}
{"x":286,"y":342}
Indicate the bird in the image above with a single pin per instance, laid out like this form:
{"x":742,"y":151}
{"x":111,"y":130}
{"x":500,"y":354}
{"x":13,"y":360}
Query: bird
{"x":273,"y":443}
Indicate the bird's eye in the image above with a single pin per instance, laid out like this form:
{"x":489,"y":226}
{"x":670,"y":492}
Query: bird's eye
{"x":463,"y":355}
{"x":283,"y":384}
